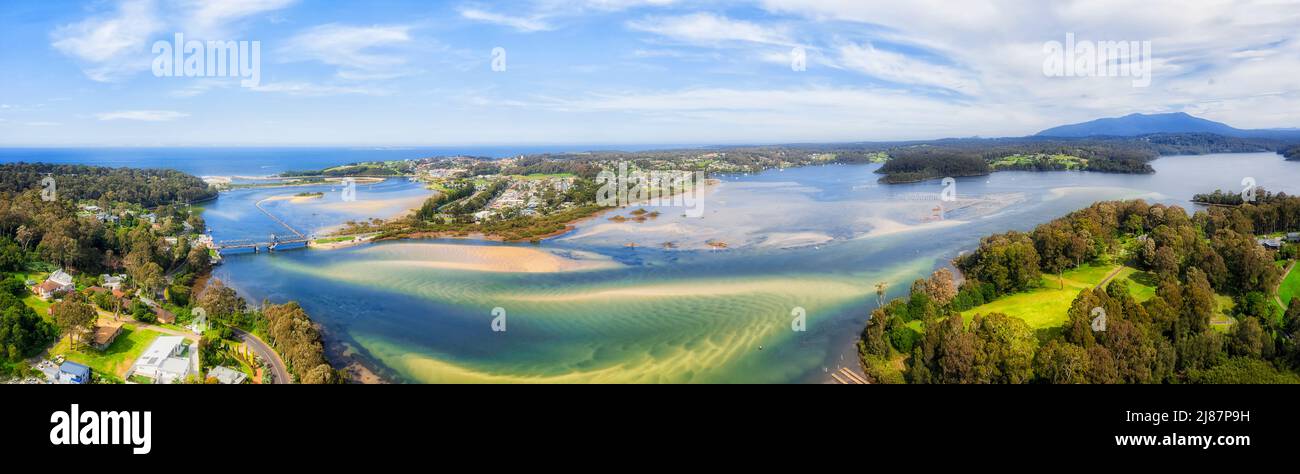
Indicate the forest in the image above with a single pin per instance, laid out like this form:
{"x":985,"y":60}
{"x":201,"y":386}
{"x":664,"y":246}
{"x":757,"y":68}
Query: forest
{"x":917,"y":161}
{"x":287,"y":327}
{"x":1167,"y":338}
{"x":145,"y":187}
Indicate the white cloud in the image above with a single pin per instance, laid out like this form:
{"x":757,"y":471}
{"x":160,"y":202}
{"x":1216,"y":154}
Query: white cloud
{"x":208,"y":19}
{"x":308,"y":89}
{"x":902,"y":69}
{"x":709,"y":29}
{"x":142,"y":115}
{"x":113,"y":44}
{"x":524,"y":24}
{"x":358,"y":51}
{"x":713,"y":115}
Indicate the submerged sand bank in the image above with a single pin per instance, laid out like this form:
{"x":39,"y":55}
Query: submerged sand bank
{"x":492,"y":258}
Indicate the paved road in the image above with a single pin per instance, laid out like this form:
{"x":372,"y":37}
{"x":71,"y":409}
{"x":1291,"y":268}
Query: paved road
{"x":263,"y":350}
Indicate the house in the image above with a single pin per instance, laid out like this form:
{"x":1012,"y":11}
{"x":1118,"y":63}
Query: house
{"x":73,"y":373}
{"x":1293,"y":237}
{"x":1271,"y":244}
{"x":105,"y":333}
{"x":58,"y":282}
{"x":113,"y":282}
{"x":164,"y":316}
{"x":167,"y":360}
{"x":227,"y":376}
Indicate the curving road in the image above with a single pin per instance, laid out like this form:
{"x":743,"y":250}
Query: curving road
{"x":263,"y":350}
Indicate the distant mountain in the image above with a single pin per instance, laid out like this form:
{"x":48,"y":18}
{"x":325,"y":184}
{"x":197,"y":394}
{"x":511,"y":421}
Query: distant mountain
{"x":1142,"y":124}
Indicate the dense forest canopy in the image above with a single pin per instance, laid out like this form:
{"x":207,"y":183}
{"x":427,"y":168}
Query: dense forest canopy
{"x":1167,"y":338}
{"x":958,"y":157}
{"x":145,"y":187}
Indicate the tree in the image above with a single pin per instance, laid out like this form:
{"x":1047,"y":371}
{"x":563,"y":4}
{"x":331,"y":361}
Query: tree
{"x":1062,"y":363}
{"x":1005,"y":348}
{"x":1199,"y":303}
{"x":73,"y":317}
{"x":1249,"y":340}
{"x":220,"y":301}
{"x":22,"y":331}
{"x":873,"y":337}
{"x":955,"y":352}
{"x":25,"y":236}
{"x":941,"y":287}
{"x":1102,"y":368}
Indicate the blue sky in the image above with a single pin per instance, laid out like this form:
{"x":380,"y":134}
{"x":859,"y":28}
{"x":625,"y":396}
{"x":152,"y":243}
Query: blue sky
{"x":399,"y":73}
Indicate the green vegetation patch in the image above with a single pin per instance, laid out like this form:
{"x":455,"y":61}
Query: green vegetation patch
{"x":115,"y":360}
{"x":1290,"y":287}
{"x":1047,"y":306}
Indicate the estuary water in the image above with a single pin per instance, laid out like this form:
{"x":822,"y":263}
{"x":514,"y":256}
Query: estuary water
{"x":672,"y":298}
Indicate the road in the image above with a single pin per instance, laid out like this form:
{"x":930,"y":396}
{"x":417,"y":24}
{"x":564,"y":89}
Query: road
{"x":263,"y":350}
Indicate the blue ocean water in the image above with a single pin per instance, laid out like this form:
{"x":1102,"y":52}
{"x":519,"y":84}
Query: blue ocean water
{"x":270,"y":161}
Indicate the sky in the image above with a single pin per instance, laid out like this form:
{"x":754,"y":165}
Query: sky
{"x":609,"y":72}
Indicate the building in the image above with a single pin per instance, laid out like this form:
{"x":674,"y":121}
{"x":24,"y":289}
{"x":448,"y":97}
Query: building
{"x":164,"y":316}
{"x":167,"y":360}
{"x":1293,"y":237}
{"x":113,"y":282}
{"x":1271,"y":244}
{"x":227,"y":376}
{"x":105,"y":333}
{"x":73,"y":373}
{"x":58,"y":282}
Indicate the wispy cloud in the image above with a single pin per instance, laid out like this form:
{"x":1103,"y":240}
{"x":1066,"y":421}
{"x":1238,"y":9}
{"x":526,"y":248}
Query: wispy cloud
{"x":708,"y":28}
{"x":142,"y":115}
{"x":360,"y":52}
{"x":524,"y":24}
{"x":111,"y":44}
{"x":307,"y":89}
{"x":209,"y":19}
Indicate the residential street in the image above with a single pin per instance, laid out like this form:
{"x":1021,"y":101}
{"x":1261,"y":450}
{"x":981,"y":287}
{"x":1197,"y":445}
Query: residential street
{"x":263,"y":350}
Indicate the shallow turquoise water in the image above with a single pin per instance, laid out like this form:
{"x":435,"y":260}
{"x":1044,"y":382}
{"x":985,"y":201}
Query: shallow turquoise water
{"x":690,"y":315}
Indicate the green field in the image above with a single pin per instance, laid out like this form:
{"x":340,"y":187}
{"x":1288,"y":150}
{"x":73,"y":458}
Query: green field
{"x":1290,"y":287}
{"x":41,"y":306}
{"x":117,"y":358}
{"x":1047,"y":306}
{"x":1056,"y":161}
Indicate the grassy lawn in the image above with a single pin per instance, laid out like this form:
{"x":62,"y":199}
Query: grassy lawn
{"x":1046,"y":307}
{"x":332,"y":240}
{"x":41,"y":306}
{"x":1290,"y":287}
{"x":117,"y":358}
{"x":1064,"y":161}
{"x":1142,"y":285}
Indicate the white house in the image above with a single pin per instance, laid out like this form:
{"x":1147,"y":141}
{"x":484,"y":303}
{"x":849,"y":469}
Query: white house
{"x":227,"y":376}
{"x":113,"y":282}
{"x":167,"y":360}
{"x":58,"y":282}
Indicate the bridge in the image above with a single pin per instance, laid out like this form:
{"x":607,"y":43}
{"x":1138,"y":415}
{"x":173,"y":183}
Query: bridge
{"x":256,"y":246}
{"x":298,"y":240}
